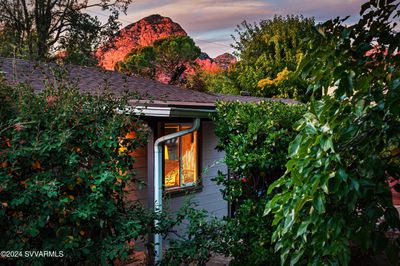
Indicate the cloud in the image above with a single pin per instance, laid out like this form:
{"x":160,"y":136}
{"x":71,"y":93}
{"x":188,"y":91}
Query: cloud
{"x":202,"y":15}
{"x":212,"y":22}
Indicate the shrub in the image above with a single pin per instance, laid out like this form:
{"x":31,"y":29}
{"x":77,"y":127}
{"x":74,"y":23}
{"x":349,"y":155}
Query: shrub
{"x":65,"y":161}
{"x":255,"y":138}
{"x":203,"y":236}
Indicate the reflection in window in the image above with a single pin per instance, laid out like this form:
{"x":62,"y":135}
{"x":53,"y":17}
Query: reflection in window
{"x":180,"y":158}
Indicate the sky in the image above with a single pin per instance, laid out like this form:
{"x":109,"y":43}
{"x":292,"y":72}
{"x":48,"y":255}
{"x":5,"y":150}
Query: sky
{"x":212,"y":22}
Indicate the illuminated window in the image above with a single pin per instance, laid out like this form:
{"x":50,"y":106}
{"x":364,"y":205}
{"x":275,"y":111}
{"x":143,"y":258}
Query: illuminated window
{"x":180,"y":158}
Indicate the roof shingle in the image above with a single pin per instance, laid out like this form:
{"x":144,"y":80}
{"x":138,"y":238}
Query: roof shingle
{"x":93,"y":79}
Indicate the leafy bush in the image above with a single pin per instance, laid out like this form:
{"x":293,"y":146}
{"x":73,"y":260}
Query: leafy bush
{"x":336,"y":192}
{"x":65,"y":162}
{"x":203,"y":236}
{"x":255,"y":138}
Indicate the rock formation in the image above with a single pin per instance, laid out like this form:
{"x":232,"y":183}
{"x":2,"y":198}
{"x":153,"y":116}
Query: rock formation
{"x":141,"y":33}
{"x":144,"y":33}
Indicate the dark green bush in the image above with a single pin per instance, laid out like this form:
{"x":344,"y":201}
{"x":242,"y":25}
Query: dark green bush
{"x":65,"y":162}
{"x":255,"y":138}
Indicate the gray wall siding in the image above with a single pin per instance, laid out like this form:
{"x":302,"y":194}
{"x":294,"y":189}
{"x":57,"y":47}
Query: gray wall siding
{"x":210,"y":197}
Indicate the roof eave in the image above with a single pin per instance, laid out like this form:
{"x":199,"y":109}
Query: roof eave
{"x":155,"y":111}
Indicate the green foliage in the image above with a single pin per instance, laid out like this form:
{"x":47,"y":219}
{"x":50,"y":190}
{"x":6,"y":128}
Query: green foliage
{"x":168,"y":57}
{"x":203,"y":236}
{"x":140,"y":61}
{"x":7,"y":43}
{"x":174,"y":53}
{"x":248,"y":235}
{"x":265,"y":50}
{"x":255,"y":138}
{"x":221,"y":83}
{"x":39,"y":28}
{"x":65,"y":163}
{"x":83,"y":37}
{"x":336,"y":187}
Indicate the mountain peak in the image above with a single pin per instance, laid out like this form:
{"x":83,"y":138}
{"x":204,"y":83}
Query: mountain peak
{"x":138,"y":34}
{"x":156,"y":18}
{"x":225,"y":60}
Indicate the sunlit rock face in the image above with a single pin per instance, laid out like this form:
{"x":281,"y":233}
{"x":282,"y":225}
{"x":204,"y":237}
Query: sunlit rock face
{"x":217,"y":64}
{"x":225,"y":60}
{"x":144,"y":33}
{"x":141,"y":33}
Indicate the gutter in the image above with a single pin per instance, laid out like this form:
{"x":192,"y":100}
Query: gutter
{"x":158,"y":188}
{"x":156,"y":111}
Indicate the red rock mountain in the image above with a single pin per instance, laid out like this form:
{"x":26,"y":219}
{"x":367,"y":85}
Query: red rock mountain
{"x":225,"y":60}
{"x":144,"y":33}
{"x":141,"y":33}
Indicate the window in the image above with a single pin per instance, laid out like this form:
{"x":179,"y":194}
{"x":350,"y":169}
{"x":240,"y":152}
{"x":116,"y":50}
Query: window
{"x":180,"y":158}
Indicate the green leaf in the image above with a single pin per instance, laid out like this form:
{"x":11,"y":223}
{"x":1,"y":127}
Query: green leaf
{"x":297,"y":255}
{"x":326,"y":143}
{"x":342,"y":174}
{"x":294,"y":146}
{"x":302,"y":228}
{"x":355,"y":184}
{"x":319,"y":203}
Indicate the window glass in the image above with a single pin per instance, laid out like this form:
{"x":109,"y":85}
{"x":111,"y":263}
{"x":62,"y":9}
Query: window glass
{"x":180,"y":158}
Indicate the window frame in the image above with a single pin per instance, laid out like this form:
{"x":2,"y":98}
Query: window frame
{"x":195,"y":185}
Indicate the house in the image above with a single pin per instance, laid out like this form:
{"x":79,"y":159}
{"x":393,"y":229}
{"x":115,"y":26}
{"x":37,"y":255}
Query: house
{"x":180,"y":155}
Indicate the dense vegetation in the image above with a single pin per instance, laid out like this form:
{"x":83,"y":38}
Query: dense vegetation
{"x":65,"y":163}
{"x":255,"y":139}
{"x":336,"y":193}
{"x":269,"y":54}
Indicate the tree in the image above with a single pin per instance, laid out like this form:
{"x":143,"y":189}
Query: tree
{"x":335,"y":191}
{"x":140,"y":61}
{"x":167,"y":59}
{"x":174,"y":55}
{"x":42,"y":25}
{"x":269,"y":55}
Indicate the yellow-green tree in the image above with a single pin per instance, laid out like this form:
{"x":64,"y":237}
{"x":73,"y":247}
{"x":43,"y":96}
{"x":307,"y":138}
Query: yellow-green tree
{"x":269,"y":54}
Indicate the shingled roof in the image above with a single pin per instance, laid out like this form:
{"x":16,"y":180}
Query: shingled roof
{"x":93,"y":79}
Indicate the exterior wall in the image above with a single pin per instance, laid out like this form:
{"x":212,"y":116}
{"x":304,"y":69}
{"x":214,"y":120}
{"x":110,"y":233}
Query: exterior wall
{"x":210,"y":197}
{"x":135,"y":191}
